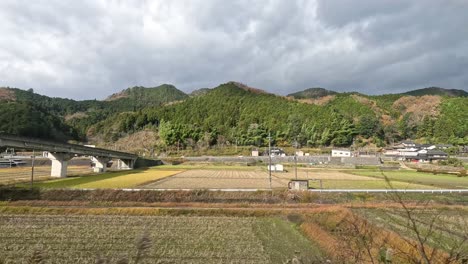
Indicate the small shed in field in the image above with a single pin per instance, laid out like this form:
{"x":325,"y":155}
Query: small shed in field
{"x":276,"y":168}
{"x":298,"y":185}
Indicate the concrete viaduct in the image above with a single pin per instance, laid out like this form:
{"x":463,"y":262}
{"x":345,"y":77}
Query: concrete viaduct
{"x":61,"y":153}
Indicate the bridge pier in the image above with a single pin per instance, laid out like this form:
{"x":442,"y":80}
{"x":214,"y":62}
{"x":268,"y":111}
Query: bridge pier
{"x":100,"y":163}
{"x":59,"y":164}
{"x":125,"y":164}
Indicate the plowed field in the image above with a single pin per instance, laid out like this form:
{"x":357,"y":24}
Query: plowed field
{"x":217,"y":179}
{"x":259,"y":179}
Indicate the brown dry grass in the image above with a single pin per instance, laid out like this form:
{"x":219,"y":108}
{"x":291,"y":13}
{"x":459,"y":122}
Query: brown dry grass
{"x":326,"y":241}
{"x":319,"y":101}
{"x":340,"y":231}
{"x":7,"y":94}
{"x":116,"y":96}
{"x":139,"y":142}
{"x":248,"y":88}
{"x":77,"y":115}
{"x":418,"y":106}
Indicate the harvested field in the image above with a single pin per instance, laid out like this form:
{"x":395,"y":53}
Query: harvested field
{"x":116,"y":179}
{"x":86,"y":239}
{"x":129,"y":180}
{"x":258,"y":179}
{"x":217,"y":179}
{"x":415,"y":177}
{"x":322,"y":175}
{"x":22,"y":174}
{"x":335,"y":179}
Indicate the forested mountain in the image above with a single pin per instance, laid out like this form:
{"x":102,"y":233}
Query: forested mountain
{"x":22,"y":118}
{"x":199,"y":92}
{"x":144,"y":97}
{"x":234,"y":112}
{"x":66,"y":119}
{"x":438,"y":91}
{"x":312,"y":93}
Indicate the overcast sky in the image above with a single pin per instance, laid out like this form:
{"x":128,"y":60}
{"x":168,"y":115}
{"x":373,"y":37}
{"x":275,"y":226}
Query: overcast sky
{"x":92,"y":48}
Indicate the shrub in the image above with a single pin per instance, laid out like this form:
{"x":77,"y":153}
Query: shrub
{"x":451,"y":162}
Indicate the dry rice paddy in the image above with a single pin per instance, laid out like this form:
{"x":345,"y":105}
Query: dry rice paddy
{"x":259,"y":179}
{"x":223,"y":177}
{"x":85,"y":239}
{"x":129,"y":180}
{"x":21,"y":174}
{"x":216,"y":179}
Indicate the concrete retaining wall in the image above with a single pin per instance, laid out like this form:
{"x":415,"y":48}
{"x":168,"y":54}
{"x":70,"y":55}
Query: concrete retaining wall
{"x":316,"y":160}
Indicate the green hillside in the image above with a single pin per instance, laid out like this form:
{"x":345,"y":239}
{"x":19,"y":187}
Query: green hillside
{"x":21,"y":118}
{"x":140,"y":96}
{"x":72,"y":119}
{"x":235,"y":113}
{"x":312,"y":93}
{"x":199,"y":92}
{"x":438,"y":91}
{"x":229,"y":113}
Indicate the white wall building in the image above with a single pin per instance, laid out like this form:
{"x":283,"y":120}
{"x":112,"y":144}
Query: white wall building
{"x":341,"y":153}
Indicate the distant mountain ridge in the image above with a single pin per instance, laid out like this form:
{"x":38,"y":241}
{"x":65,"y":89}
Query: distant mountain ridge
{"x":235,"y":112}
{"x":315,"y":93}
{"x":437,"y":91}
{"x":312,"y":93}
{"x":200,"y":92}
{"x":151,"y":95}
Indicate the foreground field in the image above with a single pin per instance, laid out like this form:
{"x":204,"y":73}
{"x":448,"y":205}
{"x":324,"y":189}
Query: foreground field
{"x":421,"y":234}
{"x":200,"y":233}
{"x":85,"y":239}
{"x":449,"y":227}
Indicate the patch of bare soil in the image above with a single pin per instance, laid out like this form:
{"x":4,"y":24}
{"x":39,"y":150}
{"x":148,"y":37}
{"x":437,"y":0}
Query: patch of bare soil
{"x":7,"y":94}
{"x":319,"y":101}
{"x":248,"y":88}
{"x":77,"y":115}
{"x":116,"y":96}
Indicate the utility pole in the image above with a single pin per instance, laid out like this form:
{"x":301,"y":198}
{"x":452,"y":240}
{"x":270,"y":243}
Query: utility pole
{"x":295,"y":158}
{"x":269,"y":156}
{"x":32,"y":168}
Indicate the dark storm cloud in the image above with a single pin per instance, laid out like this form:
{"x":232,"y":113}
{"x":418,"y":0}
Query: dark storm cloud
{"x":90,"y":49}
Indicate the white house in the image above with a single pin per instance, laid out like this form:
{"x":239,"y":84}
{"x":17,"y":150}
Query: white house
{"x":276,"y":168}
{"x":341,"y":153}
